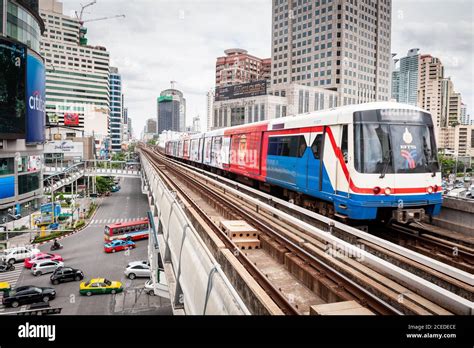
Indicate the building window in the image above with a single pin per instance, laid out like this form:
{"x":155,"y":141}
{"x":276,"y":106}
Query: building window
{"x":28,"y":183}
{"x":262,"y":112}
{"x":6,"y":166}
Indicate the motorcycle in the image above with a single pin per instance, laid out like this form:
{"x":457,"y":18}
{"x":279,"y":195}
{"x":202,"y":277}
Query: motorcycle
{"x":6,"y":267}
{"x":56,"y":247}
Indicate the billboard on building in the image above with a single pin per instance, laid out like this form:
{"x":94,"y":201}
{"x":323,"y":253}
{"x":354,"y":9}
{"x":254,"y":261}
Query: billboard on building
{"x":7,"y":187}
{"x":68,"y":147}
{"x":71,"y":119}
{"x":36,"y":99}
{"x":244,"y":90}
{"x":12,"y":90}
{"x":34,"y":163}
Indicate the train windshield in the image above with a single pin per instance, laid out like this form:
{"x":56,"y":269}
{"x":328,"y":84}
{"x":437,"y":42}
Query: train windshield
{"x":394,"y":148}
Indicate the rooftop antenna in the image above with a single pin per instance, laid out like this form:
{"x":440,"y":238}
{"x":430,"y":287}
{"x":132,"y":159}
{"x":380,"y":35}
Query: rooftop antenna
{"x":173,"y":84}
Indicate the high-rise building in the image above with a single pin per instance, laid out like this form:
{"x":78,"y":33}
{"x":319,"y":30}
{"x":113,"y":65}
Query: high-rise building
{"x":430,"y":90}
{"x":465,"y":119}
{"x":77,"y":77}
{"x":171,"y":106}
{"x":151,"y":126}
{"x":209,"y":103}
{"x":129,"y":128}
{"x":342,"y":45}
{"x":395,"y":83}
{"x":196,"y":127}
{"x":116,"y":110}
{"x":237,"y":67}
{"x":408,"y":78}
{"x":22,"y":108}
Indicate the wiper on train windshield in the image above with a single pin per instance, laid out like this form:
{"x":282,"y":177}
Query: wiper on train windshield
{"x":387,"y":160}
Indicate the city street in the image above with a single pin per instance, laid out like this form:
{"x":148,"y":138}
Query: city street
{"x":84,"y":250}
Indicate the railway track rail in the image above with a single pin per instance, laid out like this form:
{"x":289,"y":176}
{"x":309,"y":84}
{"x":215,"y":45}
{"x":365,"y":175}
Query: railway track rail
{"x":306,"y":247}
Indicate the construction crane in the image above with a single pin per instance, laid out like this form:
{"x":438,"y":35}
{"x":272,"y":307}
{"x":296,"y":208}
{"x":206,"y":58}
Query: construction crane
{"x":103,"y":18}
{"x":82,"y":29}
{"x":79,"y":16}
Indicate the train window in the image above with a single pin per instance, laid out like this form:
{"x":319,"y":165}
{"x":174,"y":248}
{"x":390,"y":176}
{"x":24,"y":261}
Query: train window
{"x":317,"y":146}
{"x":344,"y":143}
{"x":287,"y":146}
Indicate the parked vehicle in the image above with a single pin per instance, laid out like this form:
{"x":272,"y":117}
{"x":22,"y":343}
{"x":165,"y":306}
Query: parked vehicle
{"x":137,"y":270}
{"x":28,"y":294}
{"x":66,"y":274}
{"x":160,"y":288}
{"x":457,"y":192}
{"x":29,"y":262}
{"x":13,"y":255}
{"x":100,"y":286}
{"x":47,"y":266}
{"x":118,"y":245}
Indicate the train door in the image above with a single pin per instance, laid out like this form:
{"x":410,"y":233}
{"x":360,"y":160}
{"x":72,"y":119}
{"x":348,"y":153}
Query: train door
{"x":342,"y":161}
{"x":314,"y":167}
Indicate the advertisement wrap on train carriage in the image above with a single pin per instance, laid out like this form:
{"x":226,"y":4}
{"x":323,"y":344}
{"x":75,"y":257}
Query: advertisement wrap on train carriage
{"x":36,"y":99}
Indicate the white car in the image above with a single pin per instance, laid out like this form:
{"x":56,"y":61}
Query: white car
{"x":158,"y":289}
{"x":47,"y":266}
{"x":13,"y":255}
{"x":137,"y":269}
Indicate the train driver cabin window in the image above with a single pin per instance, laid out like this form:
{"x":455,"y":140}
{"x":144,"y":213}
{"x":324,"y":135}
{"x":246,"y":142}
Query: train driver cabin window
{"x":317,"y":146}
{"x":345,"y":143}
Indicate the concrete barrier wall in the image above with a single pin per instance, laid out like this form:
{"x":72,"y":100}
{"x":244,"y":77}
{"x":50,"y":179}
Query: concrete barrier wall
{"x":201,"y":286}
{"x":456,"y":215}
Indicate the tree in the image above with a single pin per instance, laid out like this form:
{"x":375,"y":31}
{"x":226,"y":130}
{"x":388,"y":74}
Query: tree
{"x":447,"y":164}
{"x":104,"y":184}
{"x":152,"y":142}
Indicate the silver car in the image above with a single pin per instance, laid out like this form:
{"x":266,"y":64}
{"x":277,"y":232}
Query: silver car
{"x":135,"y":270}
{"x":46,"y":266}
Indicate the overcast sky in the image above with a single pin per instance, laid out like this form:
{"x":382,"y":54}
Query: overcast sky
{"x":164,"y":40}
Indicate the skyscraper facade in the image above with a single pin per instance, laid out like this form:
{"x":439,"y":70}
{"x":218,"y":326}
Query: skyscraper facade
{"x":116,"y":110}
{"x":433,"y":89}
{"x":408,"y":77}
{"x":171,"y":107}
{"x":22,"y":108}
{"x":343,"y":45}
{"x":77,"y":76}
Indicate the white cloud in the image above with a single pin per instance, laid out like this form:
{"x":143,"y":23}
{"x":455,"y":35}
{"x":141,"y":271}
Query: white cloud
{"x":164,"y":40}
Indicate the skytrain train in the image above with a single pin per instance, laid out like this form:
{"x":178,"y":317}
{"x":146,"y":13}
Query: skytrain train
{"x":374,"y":161}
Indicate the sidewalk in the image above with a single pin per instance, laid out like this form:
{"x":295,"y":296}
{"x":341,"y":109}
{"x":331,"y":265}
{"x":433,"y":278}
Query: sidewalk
{"x":82,"y":204}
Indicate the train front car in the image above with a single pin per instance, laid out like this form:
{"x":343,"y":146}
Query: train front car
{"x":393,"y":173}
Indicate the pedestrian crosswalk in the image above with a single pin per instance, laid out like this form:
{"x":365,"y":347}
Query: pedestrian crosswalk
{"x":114,"y":221}
{"x":11,"y":277}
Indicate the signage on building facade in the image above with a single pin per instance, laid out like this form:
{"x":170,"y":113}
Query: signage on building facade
{"x":245,"y":90}
{"x":66,"y":147}
{"x":36,"y":99}
{"x":34,"y":163}
{"x":12,"y":90}
{"x":71,"y":119}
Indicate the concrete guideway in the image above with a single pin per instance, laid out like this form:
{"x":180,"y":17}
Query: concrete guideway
{"x":197,"y":285}
{"x":431,"y":291}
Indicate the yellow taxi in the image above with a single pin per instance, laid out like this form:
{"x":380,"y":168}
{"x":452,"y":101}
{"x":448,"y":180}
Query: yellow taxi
{"x":100,"y":286}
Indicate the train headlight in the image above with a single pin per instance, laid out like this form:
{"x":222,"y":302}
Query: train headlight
{"x":377,"y":190}
{"x":387,"y":191}
{"x":430,"y":189}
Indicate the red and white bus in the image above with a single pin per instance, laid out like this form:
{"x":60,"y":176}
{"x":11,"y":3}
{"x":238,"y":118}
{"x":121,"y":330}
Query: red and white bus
{"x":132,"y":230}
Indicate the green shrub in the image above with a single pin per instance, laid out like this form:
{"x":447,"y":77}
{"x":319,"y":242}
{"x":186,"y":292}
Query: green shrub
{"x":79,"y":224}
{"x":53,"y":235}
